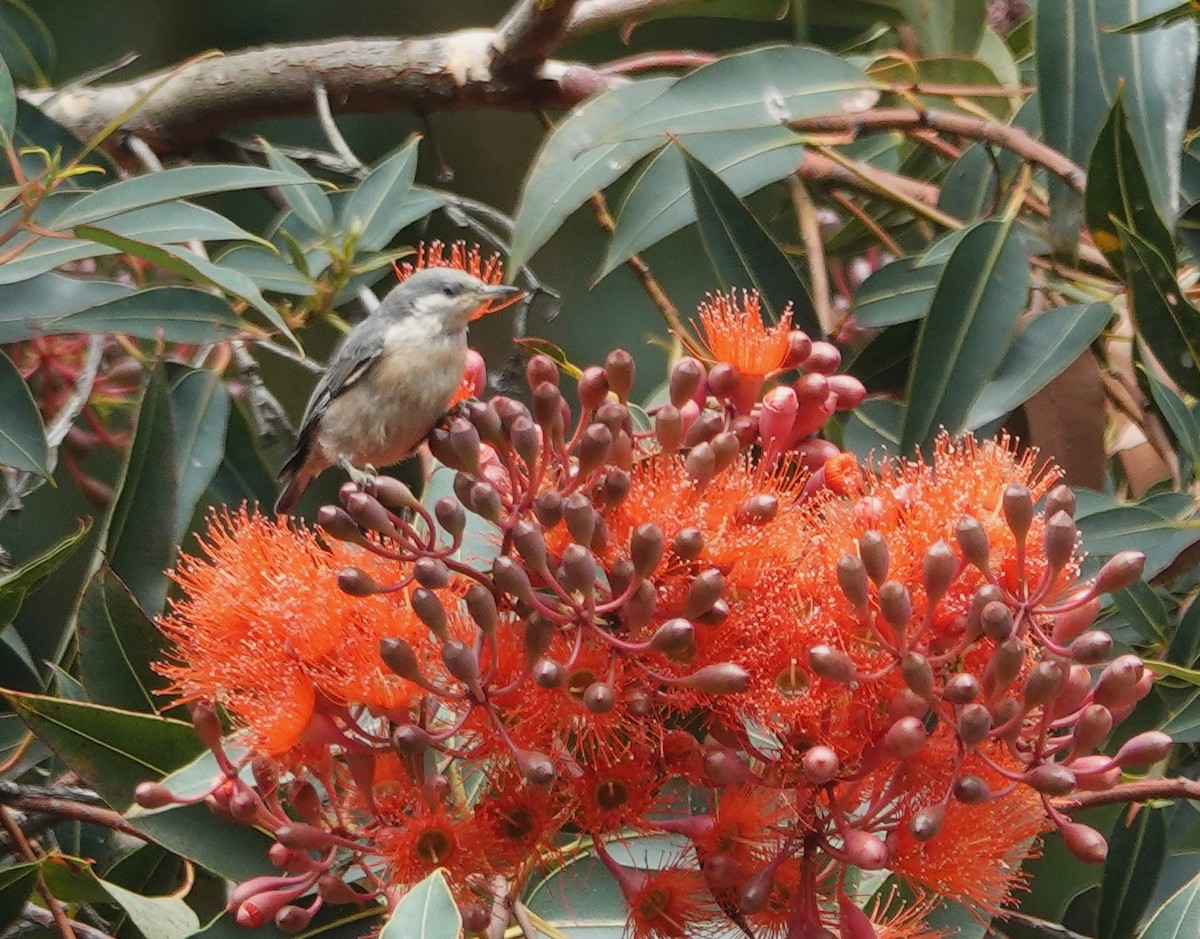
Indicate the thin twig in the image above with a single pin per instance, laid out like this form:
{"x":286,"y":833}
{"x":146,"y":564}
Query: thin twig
{"x":814,"y":249}
{"x":46,"y":919}
{"x":873,"y":226}
{"x":26,"y":850}
{"x":330,"y":128}
{"x":1041,"y":925}
{"x":1142,"y":790}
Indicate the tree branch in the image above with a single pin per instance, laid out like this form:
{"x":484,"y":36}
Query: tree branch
{"x":591,"y":16}
{"x":1142,"y":790}
{"x":528,"y":34}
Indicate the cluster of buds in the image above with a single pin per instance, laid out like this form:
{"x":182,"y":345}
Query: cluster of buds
{"x":849,"y":667}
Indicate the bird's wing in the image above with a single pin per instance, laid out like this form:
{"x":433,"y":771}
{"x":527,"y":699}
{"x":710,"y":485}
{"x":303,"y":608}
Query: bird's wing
{"x":357,"y":356}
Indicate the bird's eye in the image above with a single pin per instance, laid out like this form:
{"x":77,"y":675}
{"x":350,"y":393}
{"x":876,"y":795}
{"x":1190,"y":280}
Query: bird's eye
{"x":449,"y":290}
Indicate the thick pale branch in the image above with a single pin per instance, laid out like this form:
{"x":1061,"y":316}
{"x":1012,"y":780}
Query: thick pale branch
{"x":528,"y":34}
{"x":423,"y":74}
{"x":591,"y":16}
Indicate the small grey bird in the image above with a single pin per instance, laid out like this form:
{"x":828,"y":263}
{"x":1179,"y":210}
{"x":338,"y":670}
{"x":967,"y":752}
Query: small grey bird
{"x":390,"y":380}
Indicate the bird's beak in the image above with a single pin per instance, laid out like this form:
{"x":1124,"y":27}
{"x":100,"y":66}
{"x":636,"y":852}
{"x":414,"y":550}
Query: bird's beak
{"x":497,"y":297}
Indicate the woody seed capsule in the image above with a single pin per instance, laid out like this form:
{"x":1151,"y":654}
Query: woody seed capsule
{"x":938,"y":569}
{"x":1017,"y":505}
{"x":705,"y":589}
{"x":593,"y":388}
{"x":668,"y":428}
{"x":895,"y":604}
{"x":852,"y":578}
{"x":973,"y":541}
{"x":874,"y":553}
{"x":1058,"y":541}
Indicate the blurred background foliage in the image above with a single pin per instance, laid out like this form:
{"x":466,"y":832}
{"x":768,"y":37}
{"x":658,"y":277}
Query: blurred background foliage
{"x":1123,"y":424}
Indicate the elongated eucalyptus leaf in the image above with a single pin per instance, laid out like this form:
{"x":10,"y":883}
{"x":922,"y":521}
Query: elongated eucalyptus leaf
{"x":967,"y":331}
{"x":1137,"y":848}
{"x":304,"y":196}
{"x":742,"y":251}
{"x":762,"y":87}
{"x":139,"y":540}
{"x":22,"y":436}
{"x":946,"y":27}
{"x":8,"y":104}
{"x":174,"y":314}
{"x":1043,"y":350}
{"x":658,"y":202}
{"x":117,"y":643}
{"x":1181,"y":419}
{"x":1177,"y":915}
{"x":26,"y":307}
{"x":377,"y":201}
{"x":200,"y":409}
{"x":570,"y":166}
{"x":899,"y":292}
{"x":244,"y":475}
{"x":426,"y":911}
{"x":16,"y":885}
{"x":15,"y":584}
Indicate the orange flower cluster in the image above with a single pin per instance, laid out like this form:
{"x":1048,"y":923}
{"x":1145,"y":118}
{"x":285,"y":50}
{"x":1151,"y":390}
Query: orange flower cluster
{"x":795,"y":666}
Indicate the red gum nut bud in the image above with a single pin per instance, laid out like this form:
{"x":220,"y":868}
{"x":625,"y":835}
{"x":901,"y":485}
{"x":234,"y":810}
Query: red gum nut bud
{"x":831,"y":664}
{"x":1059,"y":499}
{"x":779,"y":409}
{"x":1087,"y":844}
{"x":333,"y":889}
{"x":688,"y":544}
{"x":701,"y":465}
{"x":401,"y":659}
{"x":906,"y":703}
{"x":338,"y":524}
{"x":674,"y":637}
{"x":706,"y":588}
{"x":152,"y":795}
{"x":925,"y":824}
{"x":1092,"y":648}
{"x":302,"y":837}
{"x":824,"y":358}
{"x":578,"y":570}
{"x":255,"y":886}
{"x":1094,"y":724}
{"x":599,"y":698}
{"x":547,"y":407}
{"x":726,"y":447}
{"x":758,"y":509}
{"x":580,"y":518}
{"x":539,"y":633}
{"x":704,"y":428}
{"x":1017,"y":504}
{"x":548,"y":508}
{"x":511,"y":578}
{"x":1117,"y":681}
{"x":207,"y":724}
{"x":535,"y":767}
{"x":939,"y":567}
{"x":865,"y":851}
{"x":639,"y":609}
{"x":461,"y":663}
{"x":1120,"y":571}
{"x":526,"y":440}
{"x":1144,"y":749}
{"x":997,"y":621}
{"x":531,"y":545}
{"x":852,"y":578}
{"x":1058,"y":541}
{"x":799,"y":349}
{"x":450,"y":515}
{"x":1043,"y":684}
{"x":481,"y":607}
{"x":971,"y":790}
{"x":357,"y":582}
{"x":853,"y":923}
{"x":244,"y":805}
{"x":464,"y":443}
{"x":724,"y":767}
{"x":487,"y":423}
{"x":849,"y":390}
{"x":541,"y":368}
{"x":685,"y":380}
{"x":722,"y":871}
{"x":722,"y":380}
{"x":593,"y":388}
{"x":872,"y":549}
{"x":811,"y":389}
{"x":721,"y":678}
{"x":974,"y":725}
{"x":646,"y":549}
{"x":549,"y":674}
{"x":429,"y":610}
{"x":620,"y":370}
{"x":475,"y":918}
{"x":594,"y":448}
{"x":431,"y":573}
{"x":814,"y":453}
{"x":1051,"y":779}
{"x":668,"y":428}
{"x":291,"y":919}
{"x":820,"y":765}
{"x":905,"y":737}
{"x":1005,"y":664}
{"x":918,"y":674}
{"x":983,"y":595}
{"x":755,"y":893}
{"x":895,"y":604}
{"x":1095,"y":773}
{"x":973,"y":541}
{"x":962,"y":688}
{"x":368,"y":513}
{"x":1069,"y":625}
{"x":289,"y":859}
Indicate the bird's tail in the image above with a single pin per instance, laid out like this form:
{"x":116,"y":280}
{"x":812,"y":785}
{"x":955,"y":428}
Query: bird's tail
{"x":296,"y":484}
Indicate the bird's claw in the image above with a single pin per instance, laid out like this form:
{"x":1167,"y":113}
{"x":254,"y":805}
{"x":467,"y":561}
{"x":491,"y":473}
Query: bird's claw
{"x":364,"y":478}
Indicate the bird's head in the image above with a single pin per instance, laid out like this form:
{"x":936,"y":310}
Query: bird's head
{"x":446,"y":296}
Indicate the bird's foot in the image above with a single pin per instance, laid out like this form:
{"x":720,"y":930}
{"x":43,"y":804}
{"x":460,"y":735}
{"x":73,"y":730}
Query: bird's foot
{"x":364,"y":478}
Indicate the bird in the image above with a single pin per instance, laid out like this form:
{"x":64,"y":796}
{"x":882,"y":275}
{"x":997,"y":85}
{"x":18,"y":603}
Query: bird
{"x":391,"y":379}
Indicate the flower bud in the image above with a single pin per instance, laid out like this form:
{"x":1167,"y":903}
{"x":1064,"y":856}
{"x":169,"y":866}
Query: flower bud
{"x":526,"y":440}
{"x":615,"y":487}
{"x":688,"y":544}
{"x":727,"y":448}
{"x":1058,"y":541}
{"x":820,"y":765}
{"x":1095,"y":773}
{"x":450,"y":515}
{"x":400,"y":658}
{"x":973,"y":541}
{"x":983,"y":595}
{"x":1075,"y":689}
{"x":646,"y":549}
{"x":462,"y":663}
{"x":511,"y":578}
{"x":918,"y":674}
{"x":527,"y":539}
{"x":895,"y":604}
{"x":549,"y":674}
{"x":639,"y":609}
{"x":1117,"y":681}
{"x":906,"y":703}
{"x":852,"y":578}
{"x":756,"y":892}
{"x":302,"y":837}
{"x":152,"y":795}
{"x":484,"y":500}
{"x":548,"y":508}
{"x":1092,"y":648}
{"x":547,"y":406}
{"x":580,"y":518}
{"x":1051,"y":779}
{"x":686,"y":376}
{"x":429,"y":610}
{"x":1059,"y":499}
{"x":535,"y":767}
{"x":1017,"y":505}
{"x":974,"y":725}
{"x":722,"y":380}
{"x":1091,"y":728}
{"x":962,"y":688}
{"x":722,"y":871}
{"x":849,"y":391}
{"x":721,"y":678}
{"x":704,"y":428}
{"x":715,"y":615}
{"x":1071,"y":623}
{"x":831,"y":664}
{"x":578,"y":570}
{"x":487,"y":424}
{"x":481,"y":607}
{"x":701,"y":465}
{"x":905,"y":737}
{"x":939,"y":568}
{"x":1044,"y":682}
{"x":778,"y":414}
{"x":1087,"y":844}
{"x":1004,"y":665}
{"x":464,"y":444}
{"x":972,"y":790}
{"x":668,"y":428}
{"x":865,"y":851}
{"x":675,"y":637}
{"x":1120,"y":571}
{"x":337,"y":523}
{"x":594,"y":448}
{"x":620,"y":371}
{"x":706,"y":588}
{"x":874,"y":553}
{"x":368,"y":514}
{"x":593,"y":388}
{"x":431,"y":573}
{"x":799,"y":349}
{"x":244,"y":805}
{"x":599,"y":698}
{"x":925,"y":824}
{"x":1144,"y":749}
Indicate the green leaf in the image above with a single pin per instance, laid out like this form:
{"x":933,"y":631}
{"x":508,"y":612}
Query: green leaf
{"x":8,"y":105}
{"x":658,"y":202}
{"x":377,"y":202}
{"x":1185,"y":640}
{"x":180,"y":182}
{"x":15,"y":584}
{"x":332,"y":922}
{"x":1081,"y":63}
{"x":899,"y":292}
{"x":243,"y":474}
{"x":117,"y":643}
{"x":200,"y":407}
{"x":969,"y":187}
{"x":427,"y":911}
{"x":1178,"y":416}
{"x":1184,"y":11}
{"x":171,"y":314}
{"x":26,"y":307}
{"x":873,"y":427}
{"x":1166,"y":322}
{"x":1040,"y":353}
{"x":946,"y":26}
{"x":1189,"y":676}
{"x":762,"y":87}
{"x":742,"y":251}
{"x":1159,"y":530}
{"x":1117,"y":189}
{"x":1183,"y":719}
{"x":967,"y":332}
{"x":139,"y":537}
{"x":1142,"y":609}
{"x":304,"y":196}
{"x":194,"y":267}
{"x":22,"y":436}
{"x":16,"y":885}
{"x":570,"y":167}
{"x":883,"y":364}
{"x":1177,"y":917}
{"x":268,"y":269}
{"x":1135,"y":858}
